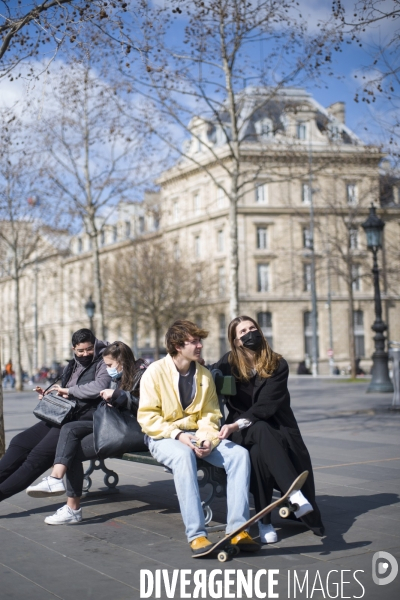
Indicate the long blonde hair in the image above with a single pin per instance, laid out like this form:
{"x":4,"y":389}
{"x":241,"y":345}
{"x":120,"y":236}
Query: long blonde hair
{"x":266,"y":360}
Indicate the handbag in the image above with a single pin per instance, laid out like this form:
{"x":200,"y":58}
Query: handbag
{"x":116,"y":431}
{"x":54,"y":409}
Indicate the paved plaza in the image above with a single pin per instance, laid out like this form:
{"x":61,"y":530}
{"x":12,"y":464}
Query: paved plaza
{"x":354,"y":443}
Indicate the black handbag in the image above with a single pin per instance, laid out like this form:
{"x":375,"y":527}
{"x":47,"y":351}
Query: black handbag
{"x":54,"y":409}
{"x":116,"y":431}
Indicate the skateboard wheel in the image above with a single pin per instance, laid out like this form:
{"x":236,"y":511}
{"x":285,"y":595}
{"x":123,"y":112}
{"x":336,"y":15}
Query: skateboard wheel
{"x":235,"y":551}
{"x":284,"y":512}
{"x":223,"y":556}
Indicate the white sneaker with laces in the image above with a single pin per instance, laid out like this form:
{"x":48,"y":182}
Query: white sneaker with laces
{"x":302,"y":502}
{"x":49,"y":486}
{"x":65,"y":516}
{"x":268,"y":533}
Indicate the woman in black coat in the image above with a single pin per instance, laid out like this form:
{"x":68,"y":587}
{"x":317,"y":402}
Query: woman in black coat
{"x":261,"y":419}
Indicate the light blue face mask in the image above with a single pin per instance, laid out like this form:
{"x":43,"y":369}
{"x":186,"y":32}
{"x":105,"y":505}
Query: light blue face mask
{"x":112,"y":371}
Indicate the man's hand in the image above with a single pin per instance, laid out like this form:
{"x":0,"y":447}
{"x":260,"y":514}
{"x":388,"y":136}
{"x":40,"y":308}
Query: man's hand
{"x":106,"y":394}
{"x":40,"y":391}
{"x":186,"y":438}
{"x":204,"y":451}
{"x":201,"y":361}
{"x":226,"y":430}
{"x":64,"y":392}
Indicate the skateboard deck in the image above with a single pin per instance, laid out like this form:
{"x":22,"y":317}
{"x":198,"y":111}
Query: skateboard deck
{"x":226,"y":549}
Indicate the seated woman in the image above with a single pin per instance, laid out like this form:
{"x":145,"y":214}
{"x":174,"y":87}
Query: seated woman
{"x":76,"y":439}
{"x":260,"y":419}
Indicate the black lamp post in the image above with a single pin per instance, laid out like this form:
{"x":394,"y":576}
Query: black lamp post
{"x":380,"y":381}
{"x":90,"y":307}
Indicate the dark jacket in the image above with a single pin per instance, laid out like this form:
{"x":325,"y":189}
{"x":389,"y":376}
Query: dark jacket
{"x":128,"y":400}
{"x":271,"y":403}
{"x":87,"y":382}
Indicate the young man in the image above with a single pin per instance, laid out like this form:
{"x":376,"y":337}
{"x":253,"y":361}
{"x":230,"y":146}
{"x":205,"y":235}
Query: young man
{"x":32,"y":451}
{"x":180,"y":415}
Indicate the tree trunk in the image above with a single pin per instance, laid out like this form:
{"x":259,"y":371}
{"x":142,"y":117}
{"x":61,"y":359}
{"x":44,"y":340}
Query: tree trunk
{"x":97,"y":289}
{"x":156,"y":341}
{"x":233,"y":260}
{"x":352,"y":341}
{"x":17,"y":330}
{"x":2,"y":432}
{"x":233,"y":192}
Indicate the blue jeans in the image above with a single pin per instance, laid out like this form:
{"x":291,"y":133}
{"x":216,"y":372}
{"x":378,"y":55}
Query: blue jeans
{"x":182,"y":461}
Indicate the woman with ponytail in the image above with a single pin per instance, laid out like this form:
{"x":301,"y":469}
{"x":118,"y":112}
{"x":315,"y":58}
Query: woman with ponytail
{"x":76,"y":439}
{"x":260,"y":419}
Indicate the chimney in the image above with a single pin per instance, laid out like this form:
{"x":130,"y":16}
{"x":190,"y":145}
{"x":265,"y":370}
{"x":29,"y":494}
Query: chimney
{"x":338,"y":110}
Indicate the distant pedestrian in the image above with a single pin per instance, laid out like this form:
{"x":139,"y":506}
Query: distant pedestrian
{"x":10,"y":375}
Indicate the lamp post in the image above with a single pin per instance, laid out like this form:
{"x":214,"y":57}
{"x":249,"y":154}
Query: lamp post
{"x":380,"y":381}
{"x":90,"y":307}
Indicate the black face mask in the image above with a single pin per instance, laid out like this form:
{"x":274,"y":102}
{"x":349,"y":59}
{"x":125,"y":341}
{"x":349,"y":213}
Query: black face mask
{"x":84,"y":360}
{"x":252,"y":340}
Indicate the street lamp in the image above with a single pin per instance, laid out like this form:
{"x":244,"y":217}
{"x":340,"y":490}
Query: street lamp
{"x":380,"y":381}
{"x":90,"y":307}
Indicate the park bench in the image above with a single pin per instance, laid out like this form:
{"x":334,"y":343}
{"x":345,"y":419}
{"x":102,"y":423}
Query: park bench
{"x":210,"y":477}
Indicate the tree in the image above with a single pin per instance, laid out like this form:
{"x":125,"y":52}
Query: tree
{"x":150,"y":287}
{"x":40,"y":29}
{"x":2,"y":432}
{"x":225,"y":44}
{"x":95,"y":158}
{"x":373,"y":24}
{"x":21,"y":211}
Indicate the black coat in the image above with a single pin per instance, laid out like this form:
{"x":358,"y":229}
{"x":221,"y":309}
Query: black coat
{"x":271,"y":403}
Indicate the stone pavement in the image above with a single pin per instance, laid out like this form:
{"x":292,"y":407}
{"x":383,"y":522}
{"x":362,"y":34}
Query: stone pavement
{"x":354,"y":444}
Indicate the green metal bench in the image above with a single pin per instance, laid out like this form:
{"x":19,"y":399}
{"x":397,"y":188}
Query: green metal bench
{"x":208,"y":475}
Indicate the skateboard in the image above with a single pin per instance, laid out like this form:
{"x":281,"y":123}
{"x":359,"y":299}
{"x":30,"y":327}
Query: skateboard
{"x":224,"y":547}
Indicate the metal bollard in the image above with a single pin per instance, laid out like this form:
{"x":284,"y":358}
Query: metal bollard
{"x":394,"y":355}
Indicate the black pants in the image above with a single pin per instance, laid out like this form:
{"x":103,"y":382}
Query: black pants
{"x":277,"y":458}
{"x":75,"y":445}
{"x":270,"y":462}
{"x":28,"y":456}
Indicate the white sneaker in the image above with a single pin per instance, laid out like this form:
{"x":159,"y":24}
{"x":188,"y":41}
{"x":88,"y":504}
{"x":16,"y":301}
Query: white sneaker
{"x":268,"y":533}
{"x":302,"y":502}
{"x":49,"y":486}
{"x":65,"y":516}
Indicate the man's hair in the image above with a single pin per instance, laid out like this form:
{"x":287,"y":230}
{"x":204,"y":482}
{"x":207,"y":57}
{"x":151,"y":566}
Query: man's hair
{"x":81,"y":336}
{"x":180,"y":332}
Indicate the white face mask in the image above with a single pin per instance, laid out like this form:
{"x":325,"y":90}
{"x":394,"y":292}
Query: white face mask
{"x":112,"y":371}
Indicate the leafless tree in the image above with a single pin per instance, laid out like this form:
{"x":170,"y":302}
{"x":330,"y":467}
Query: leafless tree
{"x":379,"y":75}
{"x":149,"y":286}
{"x":21,"y":211}
{"x":39,"y":29}
{"x":2,"y":432}
{"x":95,"y":157}
{"x":225,"y":45}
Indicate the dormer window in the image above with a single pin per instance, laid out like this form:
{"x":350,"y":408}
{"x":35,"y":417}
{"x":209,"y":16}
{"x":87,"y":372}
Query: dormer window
{"x":264,"y":128}
{"x":301,"y":131}
{"x":335,"y":133}
{"x":222,"y":135}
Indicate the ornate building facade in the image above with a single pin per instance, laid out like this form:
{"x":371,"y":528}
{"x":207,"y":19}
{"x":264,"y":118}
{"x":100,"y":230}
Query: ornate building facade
{"x":299,"y":160}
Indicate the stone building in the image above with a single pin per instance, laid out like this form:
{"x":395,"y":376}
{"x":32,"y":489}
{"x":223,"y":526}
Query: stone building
{"x":298,"y":156}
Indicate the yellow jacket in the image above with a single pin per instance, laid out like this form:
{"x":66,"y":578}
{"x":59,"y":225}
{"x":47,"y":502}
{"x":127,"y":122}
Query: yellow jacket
{"x":160,"y":411}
